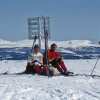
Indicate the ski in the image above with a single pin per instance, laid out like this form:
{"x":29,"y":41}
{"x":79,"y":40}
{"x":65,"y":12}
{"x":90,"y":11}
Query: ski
{"x":83,"y":75}
{"x":68,"y":75}
{"x":46,"y":62}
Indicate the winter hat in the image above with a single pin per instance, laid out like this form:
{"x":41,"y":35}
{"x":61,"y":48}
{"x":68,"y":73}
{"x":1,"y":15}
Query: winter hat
{"x":36,"y":46}
{"x":52,"y":45}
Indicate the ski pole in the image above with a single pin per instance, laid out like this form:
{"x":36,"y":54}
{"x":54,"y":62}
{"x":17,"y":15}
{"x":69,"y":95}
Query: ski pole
{"x":34,"y":42}
{"x":32,"y":47}
{"x":94,"y":67}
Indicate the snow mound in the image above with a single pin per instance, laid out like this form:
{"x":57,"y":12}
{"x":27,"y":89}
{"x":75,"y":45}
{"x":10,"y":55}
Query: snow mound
{"x":4,"y":41}
{"x":65,"y":51}
{"x":63,"y":44}
{"x":75,"y":43}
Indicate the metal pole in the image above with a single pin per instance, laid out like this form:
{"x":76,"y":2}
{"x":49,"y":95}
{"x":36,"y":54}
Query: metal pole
{"x":39,"y":35}
{"x":94,"y":67}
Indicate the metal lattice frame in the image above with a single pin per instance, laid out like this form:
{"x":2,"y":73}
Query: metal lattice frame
{"x":36,"y":28}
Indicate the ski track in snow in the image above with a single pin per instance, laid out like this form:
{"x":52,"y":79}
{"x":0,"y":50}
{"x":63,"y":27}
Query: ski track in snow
{"x":35,"y":87}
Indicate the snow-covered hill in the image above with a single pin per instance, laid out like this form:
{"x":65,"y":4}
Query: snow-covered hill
{"x":64,"y":44}
{"x":29,"y":87}
{"x":73,"y":49}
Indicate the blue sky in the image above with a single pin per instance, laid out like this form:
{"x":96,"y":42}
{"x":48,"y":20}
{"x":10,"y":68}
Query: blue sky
{"x":70,"y":19}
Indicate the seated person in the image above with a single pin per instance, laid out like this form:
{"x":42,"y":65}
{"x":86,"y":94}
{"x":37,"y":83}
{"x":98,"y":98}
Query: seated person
{"x":35,"y":63}
{"x":55,"y":59}
{"x":34,"y":60}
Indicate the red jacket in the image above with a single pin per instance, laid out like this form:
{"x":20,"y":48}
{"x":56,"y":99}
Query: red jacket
{"x":53,"y":54}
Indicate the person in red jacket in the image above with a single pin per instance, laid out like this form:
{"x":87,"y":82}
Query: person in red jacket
{"x":55,"y":59}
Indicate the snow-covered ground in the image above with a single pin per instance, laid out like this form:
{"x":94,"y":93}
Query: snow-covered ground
{"x":34,"y":87}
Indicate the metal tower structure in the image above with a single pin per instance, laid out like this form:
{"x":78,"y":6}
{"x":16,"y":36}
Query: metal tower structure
{"x":33,"y":27}
{"x":36,"y":28}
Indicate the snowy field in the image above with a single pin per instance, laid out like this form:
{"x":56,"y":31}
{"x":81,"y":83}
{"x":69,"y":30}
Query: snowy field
{"x":34,"y":87}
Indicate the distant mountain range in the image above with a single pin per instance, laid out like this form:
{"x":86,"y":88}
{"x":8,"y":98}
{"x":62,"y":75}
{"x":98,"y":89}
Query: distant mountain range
{"x":73,"y":49}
